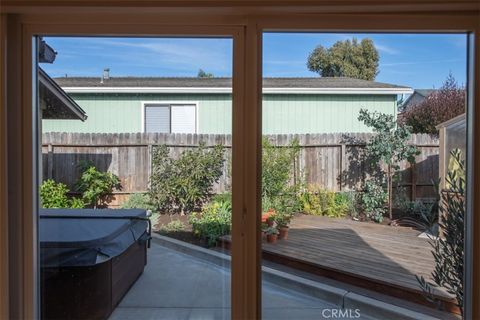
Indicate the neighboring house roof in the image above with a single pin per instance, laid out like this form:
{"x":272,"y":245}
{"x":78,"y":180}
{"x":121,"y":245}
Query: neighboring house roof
{"x":417,"y":97}
{"x":317,"y":85}
{"x":57,"y":103}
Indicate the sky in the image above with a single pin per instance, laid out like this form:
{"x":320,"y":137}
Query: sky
{"x":415,"y":60}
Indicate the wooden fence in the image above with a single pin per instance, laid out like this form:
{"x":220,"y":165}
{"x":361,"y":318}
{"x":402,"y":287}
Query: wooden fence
{"x":333,"y":161}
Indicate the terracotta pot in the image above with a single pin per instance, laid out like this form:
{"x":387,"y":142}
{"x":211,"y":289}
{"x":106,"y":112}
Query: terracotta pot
{"x":283,"y":233}
{"x":271,"y":238}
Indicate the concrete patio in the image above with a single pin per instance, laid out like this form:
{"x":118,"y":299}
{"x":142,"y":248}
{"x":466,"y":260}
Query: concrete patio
{"x":178,"y":286}
{"x":184,"y":281}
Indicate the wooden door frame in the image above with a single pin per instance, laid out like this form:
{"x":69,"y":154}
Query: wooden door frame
{"x":24,"y":304}
{"x":25,"y":19}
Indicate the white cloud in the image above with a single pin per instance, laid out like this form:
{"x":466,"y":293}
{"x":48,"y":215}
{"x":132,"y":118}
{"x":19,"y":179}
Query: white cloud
{"x":419,"y":62}
{"x":386,"y":49}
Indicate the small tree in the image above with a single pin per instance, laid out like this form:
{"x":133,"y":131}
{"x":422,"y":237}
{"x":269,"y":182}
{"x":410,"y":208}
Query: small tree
{"x":183,"y":185}
{"x":440,"y":106}
{"x":203,"y":74}
{"x":277,"y":167}
{"x":348,"y":58}
{"x":389,"y":145}
{"x":96,"y":185}
{"x":448,"y":250}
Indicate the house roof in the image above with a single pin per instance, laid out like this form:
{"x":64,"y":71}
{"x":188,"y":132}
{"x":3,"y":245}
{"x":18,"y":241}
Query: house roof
{"x":416,"y":97}
{"x":424,"y":92}
{"x":317,"y":85}
{"x":58,"y":104}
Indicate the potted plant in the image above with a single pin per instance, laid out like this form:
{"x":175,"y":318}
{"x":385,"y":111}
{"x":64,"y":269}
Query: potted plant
{"x":272,"y":234}
{"x":282,"y":221}
{"x":267,"y":217}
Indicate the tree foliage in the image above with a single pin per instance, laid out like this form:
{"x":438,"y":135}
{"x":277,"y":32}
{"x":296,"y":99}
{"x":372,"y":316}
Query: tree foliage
{"x":96,"y":186}
{"x":183,"y":185}
{"x":348,"y":58}
{"x":374,"y":199}
{"x":389,"y":145}
{"x":448,"y":249}
{"x":203,"y":74}
{"x":440,"y":106}
{"x":277,"y":167}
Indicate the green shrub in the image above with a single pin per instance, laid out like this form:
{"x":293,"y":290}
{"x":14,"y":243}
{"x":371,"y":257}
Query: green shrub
{"x":214,"y":221}
{"x":95,"y":185}
{"x":351,"y":200}
{"x":54,"y":195}
{"x":139,"y":201}
{"x":374,"y":200}
{"x":222,"y":197}
{"x":277,"y":167}
{"x":76,"y":203}
{"x":318,"y":201}
{"x":173,"y":226}
{"x":183,"y":185}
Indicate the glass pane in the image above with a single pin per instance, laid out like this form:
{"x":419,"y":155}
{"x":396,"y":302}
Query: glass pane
{"x":135,"y":184}
{"x":356,"y":128}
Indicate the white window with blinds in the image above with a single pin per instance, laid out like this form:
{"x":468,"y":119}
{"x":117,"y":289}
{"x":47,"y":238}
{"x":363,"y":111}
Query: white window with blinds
{"x":171,"y":117}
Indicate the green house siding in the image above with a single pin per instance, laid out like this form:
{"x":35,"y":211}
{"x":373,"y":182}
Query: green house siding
{"x":289,"y":114}
{"x":282,"y":113}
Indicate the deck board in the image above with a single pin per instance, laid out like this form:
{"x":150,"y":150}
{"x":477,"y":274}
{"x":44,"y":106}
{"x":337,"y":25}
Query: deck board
{"x":381,"y":257}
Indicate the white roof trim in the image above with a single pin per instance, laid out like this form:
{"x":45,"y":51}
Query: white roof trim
{"x":388,"y":91}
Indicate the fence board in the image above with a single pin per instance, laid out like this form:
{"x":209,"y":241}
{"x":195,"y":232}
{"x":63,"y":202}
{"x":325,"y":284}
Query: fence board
{"x":332,"y":161}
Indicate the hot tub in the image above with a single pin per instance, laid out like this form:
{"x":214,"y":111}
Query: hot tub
{"x":89,"y":259}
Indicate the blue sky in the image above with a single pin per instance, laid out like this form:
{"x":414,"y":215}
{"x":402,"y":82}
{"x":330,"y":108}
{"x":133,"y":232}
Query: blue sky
{"x":416,"y":60}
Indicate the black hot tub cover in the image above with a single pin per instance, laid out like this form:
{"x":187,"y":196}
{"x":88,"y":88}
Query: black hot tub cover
{"x":85,"y":237}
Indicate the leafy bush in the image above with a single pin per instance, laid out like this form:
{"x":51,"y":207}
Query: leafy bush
{"x":173,"y":226}
{"x":76,"y":203}
{"x":139,"y":201}
{"x":277,"y":167}
{"x":351,"y":199}
{"x":448,"y":249}
{"x":214,"y":221}
{"x":423,"y":212}
{"x":222,"y":197}
{"x":374,"y":199}
{"x":183,"y":185}
{"x":95,"y":185}
{"x":286,"y":203}
{"x":54,"y":195}
{"x":440,"y":106}
{"x":318,"y":201}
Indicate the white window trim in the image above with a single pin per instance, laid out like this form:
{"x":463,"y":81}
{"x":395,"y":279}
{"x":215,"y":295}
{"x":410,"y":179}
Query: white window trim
{"x":170,"y":102}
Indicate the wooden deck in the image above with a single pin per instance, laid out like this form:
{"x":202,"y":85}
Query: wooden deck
{"x":380,"y":258}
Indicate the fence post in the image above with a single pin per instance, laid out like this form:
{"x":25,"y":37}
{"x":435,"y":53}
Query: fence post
{"x":50,"y":161}
{"x":413,"y":173}
{"x":343,"y":163}
{"x":149,"y":166}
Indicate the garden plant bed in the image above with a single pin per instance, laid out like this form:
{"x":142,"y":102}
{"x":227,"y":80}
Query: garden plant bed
{"x":185,"y":235}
